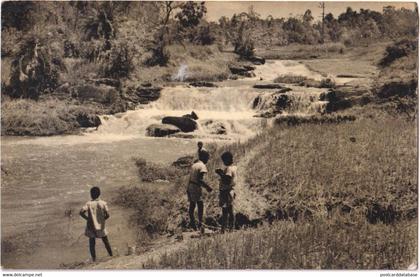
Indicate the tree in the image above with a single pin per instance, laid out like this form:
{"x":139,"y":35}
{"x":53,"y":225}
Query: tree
{"x":307,"y":17}
{"x":191,"y":13}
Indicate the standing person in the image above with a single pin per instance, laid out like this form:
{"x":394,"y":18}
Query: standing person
{"x":200,"y":148}
{"x":194,"y":190}
{"x":96,"y":213}
{"x":226,"y":189}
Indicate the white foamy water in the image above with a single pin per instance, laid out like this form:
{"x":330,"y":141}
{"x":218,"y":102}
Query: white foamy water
{"x":230,"y":106}
{"x":274,"y":68}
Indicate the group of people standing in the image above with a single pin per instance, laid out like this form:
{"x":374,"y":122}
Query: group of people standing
{"x":226,"y":188}
{"x":96,"y":212}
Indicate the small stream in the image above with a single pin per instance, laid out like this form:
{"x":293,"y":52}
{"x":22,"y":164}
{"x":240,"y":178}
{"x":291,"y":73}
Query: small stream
{"x":46,"y":177}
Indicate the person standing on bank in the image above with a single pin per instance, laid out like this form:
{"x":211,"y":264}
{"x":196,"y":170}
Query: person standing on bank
{"x":96,"y":213}
{"x":194,"y":190}
{"x":226,"y":189}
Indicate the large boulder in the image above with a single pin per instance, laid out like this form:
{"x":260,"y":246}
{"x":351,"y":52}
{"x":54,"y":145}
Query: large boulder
{"x":101,"y":94}
{"x":161,"y":130}
{"x":185,"y":124}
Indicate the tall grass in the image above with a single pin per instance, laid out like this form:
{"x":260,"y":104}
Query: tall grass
{"x":40,"y":118}
{"x":323,"y":244}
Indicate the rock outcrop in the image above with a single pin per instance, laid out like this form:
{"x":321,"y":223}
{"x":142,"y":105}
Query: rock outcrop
{"x":185,"y":124}
{"x":161,"y":130}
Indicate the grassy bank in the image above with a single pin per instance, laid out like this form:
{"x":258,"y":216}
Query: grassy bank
{"x":322,"y":244}
{"x":42,"y":118}
{"x":340,"y":196}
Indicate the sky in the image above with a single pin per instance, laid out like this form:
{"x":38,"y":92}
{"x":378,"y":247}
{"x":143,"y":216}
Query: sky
{"x":216,"y":9}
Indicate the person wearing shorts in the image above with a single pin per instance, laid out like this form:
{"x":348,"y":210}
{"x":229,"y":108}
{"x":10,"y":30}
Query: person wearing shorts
{"x":194,"y":190}
{"x":95,"y":212}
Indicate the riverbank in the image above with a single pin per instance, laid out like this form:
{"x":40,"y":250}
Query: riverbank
{"x":347,"y":209}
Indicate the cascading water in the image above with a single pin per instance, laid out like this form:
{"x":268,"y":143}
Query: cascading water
{"x":227,"y":111}
{"x":230,"y":107}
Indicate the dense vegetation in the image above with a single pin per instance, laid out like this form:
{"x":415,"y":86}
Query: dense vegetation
{"x":61,"y":50}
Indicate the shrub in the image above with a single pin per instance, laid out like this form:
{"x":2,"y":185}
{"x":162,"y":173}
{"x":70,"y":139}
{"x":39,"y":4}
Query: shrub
{"x":118,"y":61}
{"x":35,"y":69}
{"x":398,"y":50}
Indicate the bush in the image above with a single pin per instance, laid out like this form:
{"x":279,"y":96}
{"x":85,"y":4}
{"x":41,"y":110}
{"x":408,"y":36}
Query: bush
{"x":35,"y":69}
{"x":398,"y":50}
{"x":117,"y":62}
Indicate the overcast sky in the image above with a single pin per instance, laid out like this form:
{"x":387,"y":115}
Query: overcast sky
{"x":216,"y":9}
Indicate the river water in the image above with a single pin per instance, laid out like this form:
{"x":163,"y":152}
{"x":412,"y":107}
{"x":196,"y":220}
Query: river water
{"x":47,"y":179}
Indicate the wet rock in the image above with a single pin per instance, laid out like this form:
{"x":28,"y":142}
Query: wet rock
{"x":161,"y":130}
{"x":101,"y":94}
{"x":257,"y":60}
{"x":203,"y":84}
{"x":284,"y":90}
{"x":185,"y":124}
{"x":268,"y":86}
{"x":283,"y":101}
{"x":215,"y":127}
{"x":192,"y":115}
{"x":336,"y":101}
{"x":88,"y":120}
{"x":256,"y":102}
{"x":184,"y":162}
{"x":243,"y":70}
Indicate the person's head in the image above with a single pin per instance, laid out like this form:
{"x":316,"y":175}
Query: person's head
{"x":200,"y":144}
{"x":95,"y":192}
{"x":227,"y":158}
{"x":203,"y":156}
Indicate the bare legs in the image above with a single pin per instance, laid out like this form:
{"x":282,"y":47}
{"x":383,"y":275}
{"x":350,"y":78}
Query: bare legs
{"x":227,"y":213}
{"x":92,"y":243}
{"x":200,"y":207}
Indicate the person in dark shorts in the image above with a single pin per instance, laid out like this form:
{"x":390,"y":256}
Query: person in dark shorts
{"x":194,"y":190}
{"x":96,"y":213}
{"x":226,"y":189}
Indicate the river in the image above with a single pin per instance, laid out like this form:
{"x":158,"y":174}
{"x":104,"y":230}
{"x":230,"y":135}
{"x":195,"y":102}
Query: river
{"x":47,"y":179}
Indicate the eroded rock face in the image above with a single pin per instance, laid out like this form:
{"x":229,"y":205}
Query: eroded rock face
{"x":161,"y":130}
{"x":185,"y":124}
{"x":143,"y":94}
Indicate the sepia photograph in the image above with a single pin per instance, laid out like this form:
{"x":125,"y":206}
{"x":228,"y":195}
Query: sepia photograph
{"x":185,"y":135}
